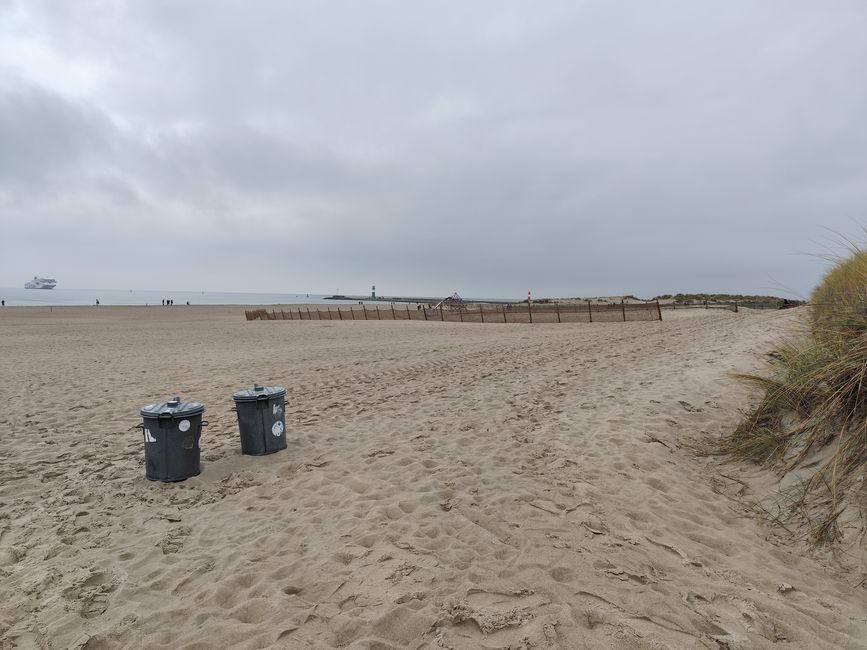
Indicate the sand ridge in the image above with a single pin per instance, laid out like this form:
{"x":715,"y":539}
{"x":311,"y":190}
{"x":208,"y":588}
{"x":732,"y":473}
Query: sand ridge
{"x":446,"y":485}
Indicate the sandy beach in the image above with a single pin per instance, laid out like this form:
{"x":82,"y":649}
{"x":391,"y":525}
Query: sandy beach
{"x":445,"y":485}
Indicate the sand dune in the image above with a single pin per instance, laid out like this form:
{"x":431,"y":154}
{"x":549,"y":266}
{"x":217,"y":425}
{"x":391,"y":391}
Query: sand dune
{"x":446,"y":485}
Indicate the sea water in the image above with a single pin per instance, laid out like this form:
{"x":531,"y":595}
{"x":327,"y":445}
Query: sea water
{"x":71,"y":297}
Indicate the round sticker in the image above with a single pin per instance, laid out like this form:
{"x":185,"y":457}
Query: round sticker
{"x":184,"y":425}
{"x":277,"y":429}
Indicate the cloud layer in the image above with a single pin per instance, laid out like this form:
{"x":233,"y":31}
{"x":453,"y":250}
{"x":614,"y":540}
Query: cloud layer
{"x":574,"y":148}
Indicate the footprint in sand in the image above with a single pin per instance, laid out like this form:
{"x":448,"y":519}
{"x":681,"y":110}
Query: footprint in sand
{"x":689,"y":407}
{"x":10,"y":555}
{"x":90,"y":597}
{"x":173,"y":541}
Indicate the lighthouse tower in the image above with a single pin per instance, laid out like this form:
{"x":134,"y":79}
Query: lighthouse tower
{"x":373,"y":291}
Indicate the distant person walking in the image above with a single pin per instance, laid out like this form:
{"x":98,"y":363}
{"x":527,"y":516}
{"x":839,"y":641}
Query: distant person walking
{"x":97,"y":302}
{"x":164,"y":303}
{"x":2,"y":303}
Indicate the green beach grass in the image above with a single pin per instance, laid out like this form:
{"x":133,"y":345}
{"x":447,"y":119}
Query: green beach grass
{"x":813,"y":415}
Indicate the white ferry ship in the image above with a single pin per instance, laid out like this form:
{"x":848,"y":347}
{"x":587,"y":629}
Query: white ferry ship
{"x":41,"y":283}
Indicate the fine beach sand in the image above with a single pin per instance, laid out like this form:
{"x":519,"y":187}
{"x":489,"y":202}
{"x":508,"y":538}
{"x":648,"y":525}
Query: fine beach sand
{"x":445,"y":485}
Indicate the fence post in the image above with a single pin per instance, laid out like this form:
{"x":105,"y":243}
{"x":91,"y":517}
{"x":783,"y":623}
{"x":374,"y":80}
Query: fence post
{"x":393,"y":317}
{"x":364,"y":309}
{"x":623,"y":309}
{"x":504,"y":314}
{"x":590,"y":311}
{"x":424,"y":311}
{"x":299,"y":314}
{"x":658,"y":309}
{"x":461,"y":315}
{"x":736,"y":306}
{"x":530,"y":310}
{"x":705,"y":304}
{"x":339,"y":315}
{"x":308,"y":313}
{"x":441,"y":314}
{"x":481,"y":313}
{"x":330,"y":316}
{"x":352,"y":312}
{"x":378,"y":317}
{"x":557,"y":305}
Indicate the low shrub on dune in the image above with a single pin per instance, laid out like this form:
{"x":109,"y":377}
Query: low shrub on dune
{"x":813,"y":417}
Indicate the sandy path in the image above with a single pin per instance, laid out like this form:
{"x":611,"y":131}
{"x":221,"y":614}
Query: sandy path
{"x":445,"y":485}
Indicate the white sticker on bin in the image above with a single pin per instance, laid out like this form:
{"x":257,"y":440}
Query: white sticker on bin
{"x":149,"y":436}
{"x":277,"y":429}
{"x":184,"y":425}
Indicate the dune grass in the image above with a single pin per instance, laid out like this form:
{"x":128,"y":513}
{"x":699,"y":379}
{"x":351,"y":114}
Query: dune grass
{"x":815,"y":398}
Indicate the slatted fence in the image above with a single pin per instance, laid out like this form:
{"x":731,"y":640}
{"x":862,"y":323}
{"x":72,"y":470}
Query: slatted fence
{"x":588,"y":312}
{"x":731,"y":306}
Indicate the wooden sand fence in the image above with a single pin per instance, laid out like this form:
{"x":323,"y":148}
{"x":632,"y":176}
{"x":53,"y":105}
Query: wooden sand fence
{"x":704,"y":304}
{"x":588,"y":312}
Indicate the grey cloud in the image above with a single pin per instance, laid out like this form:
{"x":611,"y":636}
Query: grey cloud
{"x":43,"y":134}
{"x":571,"y":148}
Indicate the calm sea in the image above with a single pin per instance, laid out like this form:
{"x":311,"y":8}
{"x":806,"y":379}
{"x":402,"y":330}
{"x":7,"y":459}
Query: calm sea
{"x":71,"y":297}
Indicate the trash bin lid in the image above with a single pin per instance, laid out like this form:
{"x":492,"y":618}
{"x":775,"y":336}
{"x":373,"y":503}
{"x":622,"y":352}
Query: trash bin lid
{"x":259,"y":392}
{"x":175,"y":407}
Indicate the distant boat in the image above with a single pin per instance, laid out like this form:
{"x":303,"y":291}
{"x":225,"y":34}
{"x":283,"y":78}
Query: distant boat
{"x":41,"y":283}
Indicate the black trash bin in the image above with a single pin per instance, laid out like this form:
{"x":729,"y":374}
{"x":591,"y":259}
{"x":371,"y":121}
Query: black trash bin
{"x":171,"y":437}
{"x":261,"y":419}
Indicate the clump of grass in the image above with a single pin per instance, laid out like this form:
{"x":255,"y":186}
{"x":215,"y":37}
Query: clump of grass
{"x":842,"y":294}
{"x":815,"y":395}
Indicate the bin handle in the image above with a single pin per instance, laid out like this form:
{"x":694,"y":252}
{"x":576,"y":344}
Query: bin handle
{"x":205,"y":423}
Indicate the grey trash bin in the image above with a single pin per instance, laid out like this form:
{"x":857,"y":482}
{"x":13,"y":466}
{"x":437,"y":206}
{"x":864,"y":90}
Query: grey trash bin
{"x":171,"y":439}
{"x":261,"y":419}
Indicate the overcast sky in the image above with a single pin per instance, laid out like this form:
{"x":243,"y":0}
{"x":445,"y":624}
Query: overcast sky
{"x":569,"y":148}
